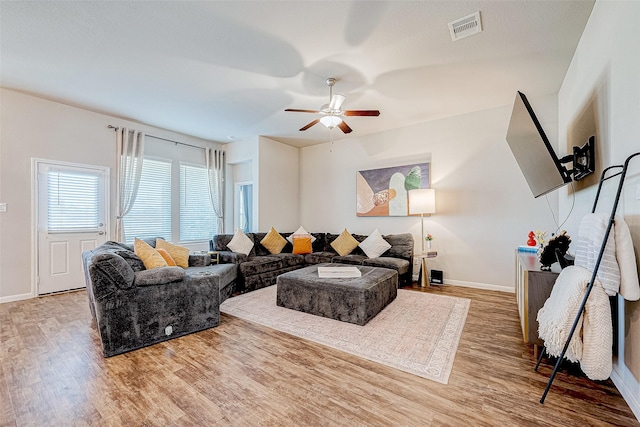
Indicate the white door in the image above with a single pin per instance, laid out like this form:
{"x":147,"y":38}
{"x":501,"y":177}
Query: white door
{"x":72,"y":206}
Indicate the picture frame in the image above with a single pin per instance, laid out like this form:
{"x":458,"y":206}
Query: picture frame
{"x":384,"y":191}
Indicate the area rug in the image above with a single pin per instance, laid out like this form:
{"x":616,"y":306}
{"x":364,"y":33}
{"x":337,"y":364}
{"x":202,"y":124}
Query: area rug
{"x":417,"y":333}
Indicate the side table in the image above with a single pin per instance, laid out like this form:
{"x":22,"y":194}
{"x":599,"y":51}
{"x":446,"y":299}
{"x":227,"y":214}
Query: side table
{"x":215,"y":257}
{"x":424,"y":272}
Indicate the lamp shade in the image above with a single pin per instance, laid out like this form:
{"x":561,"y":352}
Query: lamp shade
{"x":422,"y":201}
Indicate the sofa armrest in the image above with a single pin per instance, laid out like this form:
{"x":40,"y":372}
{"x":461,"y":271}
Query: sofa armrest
{"x":159,"y":276}
{"x":228,"y":257}
{"x":107,"y":273}
{"x":199,"y":260}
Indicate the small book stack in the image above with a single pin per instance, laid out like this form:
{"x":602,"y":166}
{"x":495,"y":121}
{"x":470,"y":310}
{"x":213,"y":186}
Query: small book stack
{"x":529,"y":249}
{"x":338,"y":272}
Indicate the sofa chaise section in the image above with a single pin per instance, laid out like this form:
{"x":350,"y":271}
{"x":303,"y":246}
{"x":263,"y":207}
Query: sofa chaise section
{"x":134,"y":307}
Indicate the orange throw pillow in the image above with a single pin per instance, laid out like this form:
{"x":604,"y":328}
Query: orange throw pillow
{"x":302,"y":244}
{"x":170,"y":261}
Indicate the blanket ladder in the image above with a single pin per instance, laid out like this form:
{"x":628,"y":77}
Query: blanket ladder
{"x":622,"y":173}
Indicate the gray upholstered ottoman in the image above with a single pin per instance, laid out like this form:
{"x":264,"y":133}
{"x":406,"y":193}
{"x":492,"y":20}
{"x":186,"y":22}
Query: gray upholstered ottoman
{"x":353,"y":300}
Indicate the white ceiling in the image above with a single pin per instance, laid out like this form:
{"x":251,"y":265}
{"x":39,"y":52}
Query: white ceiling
{"x":221,"y":69}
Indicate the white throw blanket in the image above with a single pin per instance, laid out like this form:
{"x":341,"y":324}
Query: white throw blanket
{"x":618,"y":271}
{"x":593,"y":338}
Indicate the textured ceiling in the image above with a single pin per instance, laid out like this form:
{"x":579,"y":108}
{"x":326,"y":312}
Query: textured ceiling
{"x":220,"y":69}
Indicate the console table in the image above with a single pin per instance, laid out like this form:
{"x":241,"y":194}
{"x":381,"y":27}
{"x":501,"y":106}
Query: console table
{"x":533,"y":287}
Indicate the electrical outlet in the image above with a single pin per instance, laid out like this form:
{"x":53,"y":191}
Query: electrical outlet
{"x":638,"y":192}
{"x":3,"y":207}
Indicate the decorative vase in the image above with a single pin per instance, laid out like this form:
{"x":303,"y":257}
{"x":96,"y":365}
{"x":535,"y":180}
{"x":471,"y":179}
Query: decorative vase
{"x":428,"y":245}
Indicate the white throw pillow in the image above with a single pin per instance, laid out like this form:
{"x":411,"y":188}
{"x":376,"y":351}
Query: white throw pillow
{"x":374,"y":245}
{"x":299,"y":231}
{"x":240,"y":243}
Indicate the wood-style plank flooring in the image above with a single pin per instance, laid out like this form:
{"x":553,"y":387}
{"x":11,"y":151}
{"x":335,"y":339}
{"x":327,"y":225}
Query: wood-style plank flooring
{"x":243,"y":374}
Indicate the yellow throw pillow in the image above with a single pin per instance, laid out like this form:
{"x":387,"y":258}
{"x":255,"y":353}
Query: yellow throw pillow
{"x":149,"y":256}
{"x":302,"y":244}
{"x":273,"y":241}
{"x":180,"y":254}
{"x":344,"y":243}
{"x":167,"y":257}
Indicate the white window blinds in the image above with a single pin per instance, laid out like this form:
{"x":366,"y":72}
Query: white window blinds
{"x":197,"y":220}
{"x":73,"y":201}
{"x":150,"y":215}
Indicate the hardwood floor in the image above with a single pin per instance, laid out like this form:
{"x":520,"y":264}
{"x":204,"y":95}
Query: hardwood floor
{"x":242,"y":374}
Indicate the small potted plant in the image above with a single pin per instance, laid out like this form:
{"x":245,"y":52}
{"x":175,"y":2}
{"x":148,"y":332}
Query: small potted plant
{"x":428,"y":238}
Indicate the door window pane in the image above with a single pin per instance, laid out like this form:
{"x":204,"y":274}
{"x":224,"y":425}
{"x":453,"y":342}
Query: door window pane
{"x":73,"y":203}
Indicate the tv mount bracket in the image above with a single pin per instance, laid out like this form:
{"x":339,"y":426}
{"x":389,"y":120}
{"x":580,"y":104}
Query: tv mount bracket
{"x":583,"y":159}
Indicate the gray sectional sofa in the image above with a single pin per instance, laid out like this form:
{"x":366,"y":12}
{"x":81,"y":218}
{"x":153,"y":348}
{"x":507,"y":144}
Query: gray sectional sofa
{"x":134,"y":307}
{"x":260,"y":268}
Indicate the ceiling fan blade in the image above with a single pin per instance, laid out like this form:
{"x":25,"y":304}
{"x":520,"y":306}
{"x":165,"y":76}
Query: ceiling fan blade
{"x":361,"y":113}
{"x":295,"y":110}
{"x":310,"y":124}
{"x":336,"y":101}
{"x":344,"y":127}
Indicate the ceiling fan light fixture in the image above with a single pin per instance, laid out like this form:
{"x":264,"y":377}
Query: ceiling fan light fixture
{"x":330,"y":121}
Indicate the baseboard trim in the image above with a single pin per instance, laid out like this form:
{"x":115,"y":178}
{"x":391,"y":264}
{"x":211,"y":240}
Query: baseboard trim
{"x":632,"y":397}
{"x":19,"y":297}
{"x":477,"y":285}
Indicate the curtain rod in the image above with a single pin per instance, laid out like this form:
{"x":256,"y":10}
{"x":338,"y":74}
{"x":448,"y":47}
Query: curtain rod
{"x":115,"y":128}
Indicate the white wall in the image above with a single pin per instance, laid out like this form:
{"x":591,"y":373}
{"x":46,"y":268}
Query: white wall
{"x":32,"y":127}
{"x":604,"y":77}
{"x":484,"y":206}
{"x":278,"y":187}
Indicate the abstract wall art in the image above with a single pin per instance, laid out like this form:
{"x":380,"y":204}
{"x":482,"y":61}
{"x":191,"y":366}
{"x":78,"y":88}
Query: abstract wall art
{"x":384,"y":192}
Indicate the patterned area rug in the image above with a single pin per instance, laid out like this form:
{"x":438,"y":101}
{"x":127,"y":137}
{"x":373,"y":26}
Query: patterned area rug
{"x":427,"y":351}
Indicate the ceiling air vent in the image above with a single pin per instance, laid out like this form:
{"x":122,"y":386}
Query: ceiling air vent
{"x":465,"y":27}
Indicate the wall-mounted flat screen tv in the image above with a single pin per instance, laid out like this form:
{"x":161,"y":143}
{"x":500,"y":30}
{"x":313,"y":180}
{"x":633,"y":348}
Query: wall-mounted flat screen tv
{"x":540,"y":166}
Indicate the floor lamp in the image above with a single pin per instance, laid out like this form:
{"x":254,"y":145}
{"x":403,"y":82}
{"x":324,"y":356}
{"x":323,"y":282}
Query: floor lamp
{"x":422,"y":201}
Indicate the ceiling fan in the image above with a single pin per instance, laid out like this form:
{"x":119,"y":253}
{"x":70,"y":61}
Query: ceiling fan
{"x":331,"y":114}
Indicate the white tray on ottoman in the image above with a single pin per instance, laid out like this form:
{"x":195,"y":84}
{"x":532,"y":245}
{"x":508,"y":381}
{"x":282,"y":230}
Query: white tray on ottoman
{"x":355,"y":299}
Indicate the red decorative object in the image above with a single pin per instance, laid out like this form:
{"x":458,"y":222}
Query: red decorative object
{"x":532,"y":240}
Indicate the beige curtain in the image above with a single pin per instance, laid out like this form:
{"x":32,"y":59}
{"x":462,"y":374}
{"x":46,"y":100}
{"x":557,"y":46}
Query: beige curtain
{"x":215,"y":160}
{"x":130,"y":152}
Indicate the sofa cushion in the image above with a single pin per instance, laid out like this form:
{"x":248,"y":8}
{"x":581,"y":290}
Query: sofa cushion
{"x":240,"y":243}
{"x":349,"y":259}
{"x":290,"y":260}
{"x":159,"y":276}
{"x":273,"y":241}
{"x":344,"y":244}
{"x":401,"y":245}
{"x":261,"y":264}
{"x":125,"y":251}
{"x":149,"y":256}
{"x":259,"y":250}
{"x":374,"y":245}
{"x":113,"y":269}
{"x":319,"y":244}
{"x":400,"y":265}
{"x":180,"y":254}
{"x":319,"y":257}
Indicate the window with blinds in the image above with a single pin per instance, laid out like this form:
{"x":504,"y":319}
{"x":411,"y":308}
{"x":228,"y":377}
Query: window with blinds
{"x":73,"y":203}
{"x":197,"y":220}
{"x":150,"y":215}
